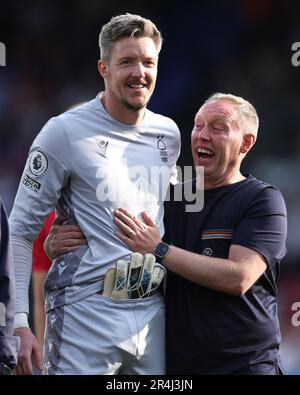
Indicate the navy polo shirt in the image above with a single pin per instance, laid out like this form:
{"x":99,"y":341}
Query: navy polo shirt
{"x":211,"y":332}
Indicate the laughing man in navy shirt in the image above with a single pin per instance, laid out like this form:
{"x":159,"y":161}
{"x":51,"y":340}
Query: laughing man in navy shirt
{"x":222,"y":261}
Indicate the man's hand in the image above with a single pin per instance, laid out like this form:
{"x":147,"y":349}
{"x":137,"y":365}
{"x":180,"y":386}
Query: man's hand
{"x":29,"y":347}
{"x":63,"y":238}
{"x":140,"y":236}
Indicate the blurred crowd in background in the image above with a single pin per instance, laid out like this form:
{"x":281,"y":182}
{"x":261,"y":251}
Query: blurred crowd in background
{"x":242,"y":47}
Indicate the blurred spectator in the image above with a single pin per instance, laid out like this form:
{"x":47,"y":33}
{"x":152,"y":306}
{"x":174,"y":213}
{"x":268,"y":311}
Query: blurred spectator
{"x":9,"y":344}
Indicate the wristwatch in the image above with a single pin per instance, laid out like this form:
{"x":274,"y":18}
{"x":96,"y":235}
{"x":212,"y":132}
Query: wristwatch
{"x":5,"y":370}
{"x":161,"y":251}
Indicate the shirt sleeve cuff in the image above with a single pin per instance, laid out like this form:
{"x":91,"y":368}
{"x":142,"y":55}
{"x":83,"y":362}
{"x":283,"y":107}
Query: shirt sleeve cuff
{"x":21,"y":320}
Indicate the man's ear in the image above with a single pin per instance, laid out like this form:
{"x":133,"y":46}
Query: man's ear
{"x":248,"y":142}
{"x":103,"y":68}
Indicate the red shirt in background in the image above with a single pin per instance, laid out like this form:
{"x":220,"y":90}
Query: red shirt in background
{"x":40,"y":261}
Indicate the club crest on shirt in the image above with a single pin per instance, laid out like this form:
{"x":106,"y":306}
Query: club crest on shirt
{"x":161,"y":146}
{"x":38,"y":163}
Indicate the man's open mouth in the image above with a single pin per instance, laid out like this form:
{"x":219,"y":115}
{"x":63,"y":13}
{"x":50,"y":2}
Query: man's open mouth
{"x":204,"y":153}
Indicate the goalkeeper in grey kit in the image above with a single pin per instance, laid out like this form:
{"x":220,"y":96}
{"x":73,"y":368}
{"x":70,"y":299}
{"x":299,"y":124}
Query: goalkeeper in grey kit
{"x":105,"y":314}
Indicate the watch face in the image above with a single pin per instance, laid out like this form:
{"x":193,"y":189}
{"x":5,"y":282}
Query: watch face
{"x":5,"y":370}
{"x":162,"y":250}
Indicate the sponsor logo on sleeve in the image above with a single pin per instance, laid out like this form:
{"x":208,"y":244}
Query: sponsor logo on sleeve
{"x":38,"y":163}
{"x":30,"y":183}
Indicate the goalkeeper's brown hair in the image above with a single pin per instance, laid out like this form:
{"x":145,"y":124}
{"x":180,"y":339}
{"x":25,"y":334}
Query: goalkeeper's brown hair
{"x":127,"y":25}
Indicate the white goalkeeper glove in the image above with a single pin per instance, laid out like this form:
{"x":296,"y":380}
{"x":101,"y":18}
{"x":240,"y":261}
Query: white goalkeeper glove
{"x":138,"y":278}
